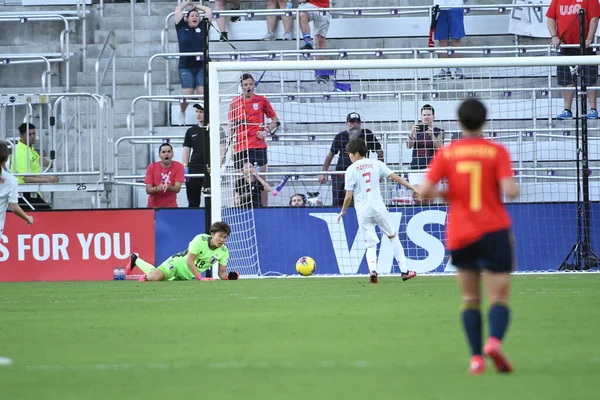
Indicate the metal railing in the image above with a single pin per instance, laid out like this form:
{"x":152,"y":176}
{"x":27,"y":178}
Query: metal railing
{"x":75,"y":128}
{"x":148,"y":78}
{"x":148,"y":141}
{"x":111,"y":42}
{"x":391,"y":11}
{"x":8,"y":59}
{"x":530,"y":166}
{"x":80,"y":14}
{"x":131,"y":116}
{"x":65,"y":53}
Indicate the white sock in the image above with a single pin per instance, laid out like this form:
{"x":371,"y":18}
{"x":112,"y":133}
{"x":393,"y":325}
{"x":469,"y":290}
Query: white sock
{"x":399,"y":253}
{"x":372,"y":258}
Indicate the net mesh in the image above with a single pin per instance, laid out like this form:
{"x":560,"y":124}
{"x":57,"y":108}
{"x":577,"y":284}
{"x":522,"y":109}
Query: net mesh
{"x":312,"y":107}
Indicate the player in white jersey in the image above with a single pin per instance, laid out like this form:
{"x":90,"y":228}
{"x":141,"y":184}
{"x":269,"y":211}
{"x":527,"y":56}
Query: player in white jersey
{"x":362,"y":183}
{"x":8,"y":197}
{"x":8,"y":190}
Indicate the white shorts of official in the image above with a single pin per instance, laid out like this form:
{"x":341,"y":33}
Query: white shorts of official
{"x":320,"y":21}
{"x":367,"y":224}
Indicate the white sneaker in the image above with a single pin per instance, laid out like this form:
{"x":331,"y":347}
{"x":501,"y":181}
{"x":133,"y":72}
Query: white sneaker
{"x":269,"y":36}
{"x":181,"y":118}
{"x":287,"y":36}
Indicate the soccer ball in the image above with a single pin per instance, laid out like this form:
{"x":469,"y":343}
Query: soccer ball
{"x":306,"y":266}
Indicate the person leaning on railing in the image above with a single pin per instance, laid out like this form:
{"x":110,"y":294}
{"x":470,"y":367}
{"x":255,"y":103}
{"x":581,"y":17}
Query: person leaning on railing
{"x":27,"y":160}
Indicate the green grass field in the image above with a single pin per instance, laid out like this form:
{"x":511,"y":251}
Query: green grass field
{"x":291,"y":339}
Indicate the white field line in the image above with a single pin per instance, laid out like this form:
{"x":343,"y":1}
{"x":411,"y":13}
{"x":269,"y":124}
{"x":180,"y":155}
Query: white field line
{"x":186,"y":365}
{"x":421,"y":275}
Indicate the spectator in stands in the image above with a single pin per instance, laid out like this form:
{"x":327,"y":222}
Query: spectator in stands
{"x":320,"y":21}
{"x":450,"y":29}
{"x":26,"y":160}
{"x":424,"y":139}
{"x":193,"y":145}
{"x":163,"y":179}
{"x":191,"y":40}
{"x":247,"y":128}
{"x":221,"y":21}
{"x":353,"y":131}
{"x":272,"y":21}
{"x":250,"y":188}
{"x":298,"y":200}
{"x":563,"y":24}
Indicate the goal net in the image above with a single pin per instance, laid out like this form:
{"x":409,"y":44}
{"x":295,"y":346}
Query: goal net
{"x":320,"y":104}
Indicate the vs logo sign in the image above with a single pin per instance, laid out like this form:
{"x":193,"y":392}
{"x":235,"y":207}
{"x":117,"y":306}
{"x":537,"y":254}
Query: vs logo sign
{"x":428,"y":248}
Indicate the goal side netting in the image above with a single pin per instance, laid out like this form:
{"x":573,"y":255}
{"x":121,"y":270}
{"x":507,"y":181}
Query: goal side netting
{"x":263,"y":165}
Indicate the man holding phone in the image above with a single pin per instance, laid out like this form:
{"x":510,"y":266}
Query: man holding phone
{"x":424,"y":139}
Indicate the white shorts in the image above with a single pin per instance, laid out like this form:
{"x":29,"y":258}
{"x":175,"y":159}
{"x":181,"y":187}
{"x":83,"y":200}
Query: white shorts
{"x":320,"y":21}
{"x":367,"y":224}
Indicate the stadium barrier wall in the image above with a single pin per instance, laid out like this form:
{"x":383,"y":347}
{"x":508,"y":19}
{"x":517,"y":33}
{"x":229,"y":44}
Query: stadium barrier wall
{"x":74,"y":245}
{"x":87,"y":245}
{"x":544,"y":234}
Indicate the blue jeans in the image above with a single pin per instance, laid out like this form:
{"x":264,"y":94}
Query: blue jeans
{"x":191,"y":78}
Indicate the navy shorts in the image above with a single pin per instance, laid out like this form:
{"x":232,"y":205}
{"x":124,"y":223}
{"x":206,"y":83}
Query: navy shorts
{"x":450,"y":25}
{"x":258,"y":156}
{"x":588,"y":72}
{"x":493,"y":252}
{"x":191,"y":78}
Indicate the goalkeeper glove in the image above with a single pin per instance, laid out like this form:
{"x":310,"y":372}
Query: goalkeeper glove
{"x":233,"y":276}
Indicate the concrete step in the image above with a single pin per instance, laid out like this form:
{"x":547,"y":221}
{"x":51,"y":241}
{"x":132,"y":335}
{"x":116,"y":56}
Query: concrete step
{"x":128,"y":92}
{"x":15,"y":33}
{"x":49,"y":46}
{"x":123,"y":78}
{"x":141,"y":117}
{"x":143,"y":131}
{"x":128,"y":64}
{"x":140,"y":8}
{"x":141,"y":35}
{"x":124,"y":22}
{"x":164,"y":8}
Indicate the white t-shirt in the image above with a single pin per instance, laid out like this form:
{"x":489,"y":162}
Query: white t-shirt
{"x":448,"y":3}
{"x":8,"y":194}
{"x":362,"y":177}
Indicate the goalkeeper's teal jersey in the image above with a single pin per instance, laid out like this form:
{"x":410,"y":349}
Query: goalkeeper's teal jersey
{"x":205,"y":257}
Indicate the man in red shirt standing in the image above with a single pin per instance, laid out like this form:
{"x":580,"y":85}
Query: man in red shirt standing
{"x":163,"y":179}
{"x":563,"y":24}
{"x":478,"y":233}
{"x":247,"y":128}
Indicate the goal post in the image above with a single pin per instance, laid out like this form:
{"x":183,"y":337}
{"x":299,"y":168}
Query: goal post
{"x":522,"y":99}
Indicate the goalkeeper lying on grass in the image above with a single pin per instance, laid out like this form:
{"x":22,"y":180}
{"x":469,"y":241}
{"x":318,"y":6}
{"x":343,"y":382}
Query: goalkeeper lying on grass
{"x":203,"y":251}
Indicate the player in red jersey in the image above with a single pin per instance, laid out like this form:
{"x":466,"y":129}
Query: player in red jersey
{"x":479,"y":235}
{"x":247,"y":128}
